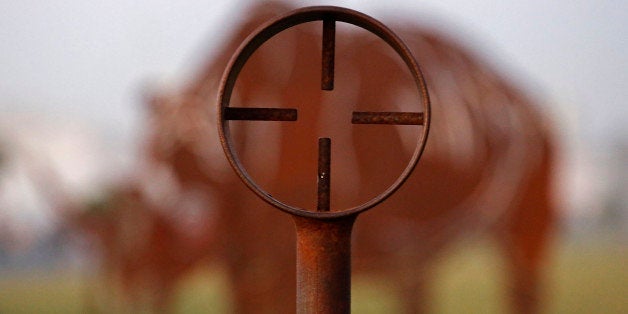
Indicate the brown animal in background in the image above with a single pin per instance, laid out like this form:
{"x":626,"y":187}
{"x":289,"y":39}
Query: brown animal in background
{"x":487,"y":165}
{"x":141,"y":244}
{"x":143,"y":253}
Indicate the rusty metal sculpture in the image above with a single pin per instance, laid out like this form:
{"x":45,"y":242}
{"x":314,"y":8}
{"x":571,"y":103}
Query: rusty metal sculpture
{"x":487,"y":168}
{"x":324,"y":235}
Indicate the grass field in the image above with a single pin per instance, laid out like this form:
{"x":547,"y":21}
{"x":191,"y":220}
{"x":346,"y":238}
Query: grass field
{"x":591,"y":278}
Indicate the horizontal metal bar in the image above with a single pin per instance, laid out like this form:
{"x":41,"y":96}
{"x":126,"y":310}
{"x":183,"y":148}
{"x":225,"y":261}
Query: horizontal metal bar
{"x":260,"y":114}
{"x":400,"y":118}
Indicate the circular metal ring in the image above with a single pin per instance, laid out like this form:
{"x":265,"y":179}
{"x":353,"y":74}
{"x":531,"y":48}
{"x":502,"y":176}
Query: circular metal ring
{"x":281,"y":23}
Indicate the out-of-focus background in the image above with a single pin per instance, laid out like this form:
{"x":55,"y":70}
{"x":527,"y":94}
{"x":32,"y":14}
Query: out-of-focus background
{"x":72,"y":85}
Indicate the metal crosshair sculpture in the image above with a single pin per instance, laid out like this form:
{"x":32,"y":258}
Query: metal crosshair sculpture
{"x":323,"y":235}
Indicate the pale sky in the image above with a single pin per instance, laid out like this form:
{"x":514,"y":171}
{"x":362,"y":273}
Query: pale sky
{"x":81,"y":65}
{"x":90,"y":59}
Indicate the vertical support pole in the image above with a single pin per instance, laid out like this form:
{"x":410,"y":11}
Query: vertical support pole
{"x":324,"y":252}
{"x":329,"y":46}
{"x":324,"y":265}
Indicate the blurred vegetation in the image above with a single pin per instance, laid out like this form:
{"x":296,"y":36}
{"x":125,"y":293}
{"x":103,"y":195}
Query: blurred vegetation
{"x":581,"y":278}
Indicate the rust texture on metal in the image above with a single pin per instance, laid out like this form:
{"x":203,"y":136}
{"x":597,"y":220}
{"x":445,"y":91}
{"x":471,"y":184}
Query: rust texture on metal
{"x":398,"y":118}
{"x":324,"y":265}
{"x":260,"y":114}
{"x":324,"y":173}
{"x":323,"y":235}
{"x":329,"y":47}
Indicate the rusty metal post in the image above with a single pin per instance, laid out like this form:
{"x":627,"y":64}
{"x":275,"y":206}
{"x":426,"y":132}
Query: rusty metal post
{"x":324,"y":265}
{"x":324,"y":251}
{"x":323,"y":235}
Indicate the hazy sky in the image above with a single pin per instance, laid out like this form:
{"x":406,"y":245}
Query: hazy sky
{"x":87,"y":62}
{"x":90,"y":59}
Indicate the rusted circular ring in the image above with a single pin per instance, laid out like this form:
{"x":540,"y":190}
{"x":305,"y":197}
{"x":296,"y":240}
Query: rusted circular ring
{"x":275,"y":26}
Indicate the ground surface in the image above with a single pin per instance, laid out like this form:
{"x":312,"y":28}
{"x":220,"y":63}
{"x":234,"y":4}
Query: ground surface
{"x":583,"y":278}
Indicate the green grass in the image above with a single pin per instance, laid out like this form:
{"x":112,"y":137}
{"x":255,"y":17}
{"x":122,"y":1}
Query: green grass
{"x":591,"y":280}
{"x":40,"y":293}
{"x":470,"y":280}
{"x":580,"y":279}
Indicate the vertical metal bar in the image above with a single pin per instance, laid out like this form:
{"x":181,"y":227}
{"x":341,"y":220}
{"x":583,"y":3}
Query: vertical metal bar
{"x":324,"y":173}
{"x":324,"y":265}
{"x":329,"y":43}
